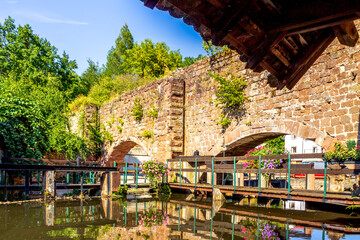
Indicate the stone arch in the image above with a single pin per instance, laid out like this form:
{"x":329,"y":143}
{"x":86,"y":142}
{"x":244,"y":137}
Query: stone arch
{"x":244,"y":138}
{"x":120,"y":149}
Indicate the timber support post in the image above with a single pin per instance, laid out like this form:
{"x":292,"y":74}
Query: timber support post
{"x":27,"y":184}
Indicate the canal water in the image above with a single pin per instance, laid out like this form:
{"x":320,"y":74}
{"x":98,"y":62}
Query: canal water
{"x":176,"y":218}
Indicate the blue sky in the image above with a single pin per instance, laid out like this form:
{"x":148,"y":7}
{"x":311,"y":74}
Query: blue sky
{"x":88,"y":28}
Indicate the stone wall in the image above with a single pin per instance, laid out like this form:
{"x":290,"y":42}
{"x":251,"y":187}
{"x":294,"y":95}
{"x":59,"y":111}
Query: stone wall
{"x":324,"y":106}
{"x":165,"y":95}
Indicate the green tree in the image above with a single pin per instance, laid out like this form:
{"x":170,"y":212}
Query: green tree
{"x":22,"y":127}
{"x":191,"y":60}
{"x":151,"y":60}
{"x":38,"y":84}
{"x":118,"y":54}
{"x":91,"y":76}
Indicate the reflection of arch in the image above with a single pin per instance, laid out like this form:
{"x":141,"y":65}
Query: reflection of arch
{"x":243,"y":138}
{"x":120,"y":149}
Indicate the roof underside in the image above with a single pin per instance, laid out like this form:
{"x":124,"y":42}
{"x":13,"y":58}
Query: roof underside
{"x":284,"y":37}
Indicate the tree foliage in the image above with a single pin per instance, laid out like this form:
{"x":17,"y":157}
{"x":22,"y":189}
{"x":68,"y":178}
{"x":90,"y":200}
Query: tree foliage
{"x":23,"y":128}
{"x":38,"y":83}
{"x":119,"y":53}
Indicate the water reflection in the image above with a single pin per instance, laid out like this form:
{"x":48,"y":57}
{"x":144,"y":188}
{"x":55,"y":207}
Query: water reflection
{"x":121,"y":219}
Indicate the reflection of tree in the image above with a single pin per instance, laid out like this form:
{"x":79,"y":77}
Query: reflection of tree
{"x":90,"y":232}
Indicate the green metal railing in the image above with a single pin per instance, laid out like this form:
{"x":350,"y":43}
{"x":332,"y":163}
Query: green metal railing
{"x":289,"y":175}
{"x":259,"y":178}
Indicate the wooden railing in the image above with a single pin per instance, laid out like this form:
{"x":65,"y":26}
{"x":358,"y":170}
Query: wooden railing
{"x":235,"y":166}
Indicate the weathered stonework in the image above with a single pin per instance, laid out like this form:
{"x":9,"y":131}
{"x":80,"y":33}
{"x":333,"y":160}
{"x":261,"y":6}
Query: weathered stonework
{"x":324,"y":106}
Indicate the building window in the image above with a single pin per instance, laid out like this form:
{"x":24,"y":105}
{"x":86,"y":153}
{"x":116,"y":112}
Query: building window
{"x":293,"y":137}
{"x":293,"y":149}
{"x":314,"y":149}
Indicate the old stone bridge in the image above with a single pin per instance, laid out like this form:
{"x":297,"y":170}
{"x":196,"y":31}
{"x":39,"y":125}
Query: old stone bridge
{"x":324,"y":106}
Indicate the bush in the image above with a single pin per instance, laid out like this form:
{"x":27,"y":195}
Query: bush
{"x":147,"y":134}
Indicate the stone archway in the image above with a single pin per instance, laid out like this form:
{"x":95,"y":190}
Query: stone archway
{"x":242,"y":139}
{"x":120,"y":149}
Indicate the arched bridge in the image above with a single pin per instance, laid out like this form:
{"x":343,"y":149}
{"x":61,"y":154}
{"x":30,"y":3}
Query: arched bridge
{"x":324,"y":106}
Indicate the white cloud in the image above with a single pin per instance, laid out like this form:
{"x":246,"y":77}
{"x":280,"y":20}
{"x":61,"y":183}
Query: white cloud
{"x":45,"y":19}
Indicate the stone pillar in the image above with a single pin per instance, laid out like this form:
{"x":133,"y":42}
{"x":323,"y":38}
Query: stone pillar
{"x":49,"y":186}
{"x":310,"y":182}
{"x":110,"y":183}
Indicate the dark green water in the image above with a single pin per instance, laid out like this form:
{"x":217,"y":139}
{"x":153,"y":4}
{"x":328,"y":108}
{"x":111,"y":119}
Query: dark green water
{"x":173,"y":219}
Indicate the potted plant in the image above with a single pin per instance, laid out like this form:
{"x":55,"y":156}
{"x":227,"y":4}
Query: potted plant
{"x":340,"y":153}
{"x":155,"y":170}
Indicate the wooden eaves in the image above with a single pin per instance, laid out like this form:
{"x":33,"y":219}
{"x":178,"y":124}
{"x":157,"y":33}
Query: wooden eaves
{"x":285,"y":37}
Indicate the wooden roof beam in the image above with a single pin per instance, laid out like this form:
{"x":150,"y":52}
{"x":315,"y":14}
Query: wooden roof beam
{"x":347,"y":34}
{"x":315,"y":15}
{"x":262,"y":50}
{"x":299,"y":66}
{"x":231,"y":16}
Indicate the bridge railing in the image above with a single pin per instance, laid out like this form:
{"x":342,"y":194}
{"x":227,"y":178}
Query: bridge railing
{"x":214,"y":167}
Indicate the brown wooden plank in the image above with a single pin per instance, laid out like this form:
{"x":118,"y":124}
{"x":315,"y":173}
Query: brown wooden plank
{"x":263,"y":49}
{"x":314,"y":15}
{"x":307,"y":58}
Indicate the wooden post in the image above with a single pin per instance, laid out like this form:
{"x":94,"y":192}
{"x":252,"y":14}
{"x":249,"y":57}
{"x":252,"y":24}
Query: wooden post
{"x":195,"y":218}
{"x":179,"y":216}
{"x":180,"y":171}
{"x":234,"y":177}
{"x":27,"y":184}
{"x":136,"y":174}
{"x":212,"y":172}
{"x":82,"y":184}
{"x":195,"y":172}
{"x":6,"y":192}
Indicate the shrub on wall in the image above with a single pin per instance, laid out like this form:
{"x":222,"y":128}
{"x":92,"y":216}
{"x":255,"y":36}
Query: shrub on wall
{"x":153,"y":112}
{"x":137,"y":111}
